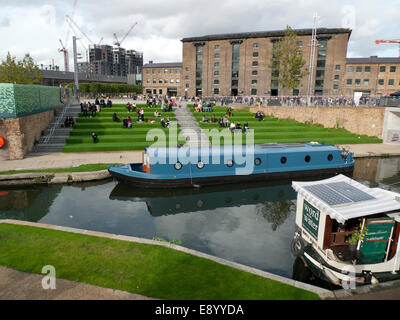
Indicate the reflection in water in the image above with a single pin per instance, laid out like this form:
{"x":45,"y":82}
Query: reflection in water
{"x":252,"y":224}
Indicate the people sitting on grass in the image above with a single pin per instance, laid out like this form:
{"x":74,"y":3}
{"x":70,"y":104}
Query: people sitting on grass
{"x":221,"y":122}
{"x":162,"y":121}
{"x":125,"y":123}
{"x":238,"y":126}
{"x":93,"y":109}
{"x":128,"y":107}
{"x":156,"y":113}
{"x":109,"y":103}
{"x":115,"y":117}
{"x":259,"y":115}
{"x":142,"y":114}
{"x":129,"y":122}
{"x":167,"y":122}
{"x":94,"y":137}
{"x":246,"y":127}
{"x":232,"y":126}
{"x":213,"y":118}
{"x":229,"y":112}
{"x":226,"y":121}
{"x":204,"y":119}
{"x":85,"y":109}
{"x":196,"y":107}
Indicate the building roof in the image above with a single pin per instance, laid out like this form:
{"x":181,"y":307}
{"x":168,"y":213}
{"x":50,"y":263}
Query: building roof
{"x":266,"y":34}
{"x":372,"y":60}
{"x":343,"y":198}
{"x":163,"y":65}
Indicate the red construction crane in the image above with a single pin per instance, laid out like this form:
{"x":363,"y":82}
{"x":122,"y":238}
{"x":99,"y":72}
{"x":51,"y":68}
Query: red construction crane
{"x":389,"y":41}
{"x":65,"y":51}
{"x":118,"y":43}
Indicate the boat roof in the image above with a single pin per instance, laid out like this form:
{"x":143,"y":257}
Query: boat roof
{"x":259,"y":149}
{"x":343,"y":198}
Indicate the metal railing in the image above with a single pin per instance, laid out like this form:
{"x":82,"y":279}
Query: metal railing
{"x":56,"y":124}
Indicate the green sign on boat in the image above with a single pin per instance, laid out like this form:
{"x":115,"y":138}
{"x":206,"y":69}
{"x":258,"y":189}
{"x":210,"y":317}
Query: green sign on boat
{"x":311,"y":219}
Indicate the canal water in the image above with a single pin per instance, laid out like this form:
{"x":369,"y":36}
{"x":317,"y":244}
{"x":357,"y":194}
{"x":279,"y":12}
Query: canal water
{"x":251,"y":224}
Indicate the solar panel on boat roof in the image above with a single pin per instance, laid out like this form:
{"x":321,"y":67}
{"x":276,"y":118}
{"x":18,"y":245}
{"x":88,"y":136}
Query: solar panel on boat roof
{"x":336,"y":193}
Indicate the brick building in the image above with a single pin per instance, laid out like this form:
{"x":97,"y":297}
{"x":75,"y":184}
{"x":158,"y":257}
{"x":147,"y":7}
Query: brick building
{"x":239,"y":63}
{"x":372,"y":76}
{"x":162,"y":78}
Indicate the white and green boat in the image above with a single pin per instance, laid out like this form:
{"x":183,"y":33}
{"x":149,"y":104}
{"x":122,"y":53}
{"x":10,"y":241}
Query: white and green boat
{"x":347,"y":233}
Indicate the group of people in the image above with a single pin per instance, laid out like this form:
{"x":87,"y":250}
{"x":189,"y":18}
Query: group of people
{"x":103,"y":103}
{"x":165,"y":122}
{"x":203,"y":107}
{"x":87,"y":107}
{"x":259,"y":116}
{"x":69,"y":122}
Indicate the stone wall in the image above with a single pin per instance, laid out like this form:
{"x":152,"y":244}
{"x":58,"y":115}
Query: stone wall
{"x":21,"y":133}
{"x":359,"y":120}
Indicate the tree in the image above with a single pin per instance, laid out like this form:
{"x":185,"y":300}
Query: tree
{"x":21,"y":72}
{"x":287,"y":61}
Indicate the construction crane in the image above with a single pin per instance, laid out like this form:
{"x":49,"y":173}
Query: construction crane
{"x":389,"y":41}
{"x":66,"y":61}
{"x":70,"y":21}
{"x":117,"y":42}
{"x":63,"y":48}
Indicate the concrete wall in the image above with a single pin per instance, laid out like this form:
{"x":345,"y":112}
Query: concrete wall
{"x":359,"y":120}
{"x":392,"y":126}
{"x":20,"y":134}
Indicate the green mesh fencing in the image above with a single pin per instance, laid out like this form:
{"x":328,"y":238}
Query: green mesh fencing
{"x":18,"y":100}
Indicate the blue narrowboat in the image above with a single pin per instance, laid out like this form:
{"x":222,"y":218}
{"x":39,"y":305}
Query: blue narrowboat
{"x":213,"y":165}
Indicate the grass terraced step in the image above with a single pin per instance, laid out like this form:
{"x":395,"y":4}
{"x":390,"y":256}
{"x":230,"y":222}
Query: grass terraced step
{"x":274,"y":130}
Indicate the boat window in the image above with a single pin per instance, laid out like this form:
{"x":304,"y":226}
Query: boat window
{"x":257,"y":161}
{"x":330,"y":157}
{"x":178,"y":166}
{"x":230,"y":163}
{"x":283,"y":160}
{"x":307,"y":159}
{"x":200,"y":164}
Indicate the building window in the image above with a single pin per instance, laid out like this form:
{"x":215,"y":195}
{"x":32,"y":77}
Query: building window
{"x":172,"y":81}
{"x":367,"y":69}
{"x":187,"y":69}
{"x":254,"y":81}
{"x":171,"y":71}
{"x":159,"y":71}
{"x":154,"y":71}
{"x":392,"y":69}
{"x":255,"y":63}
{"x":255,"y":54}
{"x":349,"y":82}
{"x":321,"y":62}
{"x":300,"y":43}
{"x":336,"y":77}
{"x":199,"y":70}
{"x":217,"y":55}
{"x":254,"y":72}
{"x":216,"y":90}
{"x":154,"y":81}
{"x":186,"y":77}
{"x":359,"y":69}
{"x":217,"y":47}
{"x":350,"y":69}
{"x":337,"y":67}
{"x":166,"y":71}
{"x":256,"y":45}
{"x":381,"y":82}
{"x":147,"y":71}
{"x":216,"y":64}
{"x":253,"y":92}
{"x":160,"y":91}
{"x":335,"y":87}
{"x":391,"y":82}
{"x":216,"y":73}
{"x":366,"y":82}
{"x":358,"y":82}
{"x":178,"y":81}
{"x":159,"y":80}
{"x":235,"y":68}
{"x":187,"y":85}
{"x":165,"y":80}
{"x":177,"y":71}
{"x":216,"y":81}
{"x":382,"y":69}
{"x":148,"y":81}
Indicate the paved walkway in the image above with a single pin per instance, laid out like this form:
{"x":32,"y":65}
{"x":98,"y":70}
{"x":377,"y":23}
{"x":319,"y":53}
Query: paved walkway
{"x":18,"y":285}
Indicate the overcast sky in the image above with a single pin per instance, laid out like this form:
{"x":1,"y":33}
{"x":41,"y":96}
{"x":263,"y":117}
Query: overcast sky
{"x":35,"y":26}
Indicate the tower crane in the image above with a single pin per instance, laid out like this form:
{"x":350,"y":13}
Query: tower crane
{"x":117,"y":42}
{"x":69,"y":19}
{"x":389,"y":41}
{"x":66,"y":60}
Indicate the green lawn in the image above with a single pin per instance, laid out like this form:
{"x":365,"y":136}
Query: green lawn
{"x":81,"y":168}
{"x":150,"y":270}
{"x":272,"y":130}
{"x":111,"y":135}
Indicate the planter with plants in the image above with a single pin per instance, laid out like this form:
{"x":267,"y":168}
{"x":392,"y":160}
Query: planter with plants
{"x":358,"y":235}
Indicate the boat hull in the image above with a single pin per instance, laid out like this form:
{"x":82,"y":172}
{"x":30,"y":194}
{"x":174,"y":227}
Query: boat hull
{"x":220,"y":180}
